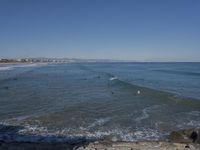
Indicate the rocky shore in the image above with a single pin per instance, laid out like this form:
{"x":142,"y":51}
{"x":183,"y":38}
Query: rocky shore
{"x":178,"y":140}
{"x":100,"y":146}
{"x":140,"y":146}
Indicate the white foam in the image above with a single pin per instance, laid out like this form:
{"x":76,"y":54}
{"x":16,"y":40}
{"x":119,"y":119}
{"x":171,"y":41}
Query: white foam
{"x":191,"y":120}
{"x":113,"y":78}
{"x":97,"y":122}
{"x":145,"y":112}
{"x":194,"y":113}
{"x":25,"y":65}
{"x":144,"y":115}
{"x":43,"y":133}
{"x":37,"y":133}
{"x":189,"y":124}
{"x":120,"y":135}
{"x":6,"y":68}
{"x":10,"y":67}
{"x":33,"y":130}
{"x":114,"y":134}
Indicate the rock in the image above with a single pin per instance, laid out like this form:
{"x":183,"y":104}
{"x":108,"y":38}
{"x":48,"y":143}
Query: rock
{"x":194,"y":136}
{"x":156,"y":145}
{"x":185,"y":136}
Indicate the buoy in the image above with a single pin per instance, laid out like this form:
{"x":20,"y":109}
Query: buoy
{"x":138,"y":92}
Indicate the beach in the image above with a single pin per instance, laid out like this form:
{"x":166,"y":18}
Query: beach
{"x":187,"y":139}
{"x":100,"y":145}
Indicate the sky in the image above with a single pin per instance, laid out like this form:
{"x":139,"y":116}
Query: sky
{"x":138,"y":30}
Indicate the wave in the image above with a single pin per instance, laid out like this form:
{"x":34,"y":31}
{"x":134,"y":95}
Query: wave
{"x":189,"y":124}
{"x":131,"y":84}
{"x":145,"y":112}
{"x":157,"y":95}
{"x":194,"y":113}
{"x":15,"y":75}
{"x":37,"y":133}
{"x":11,"y":67}
{"x":98,"y":122}
{"x":113,"y":78}
{"x":5,"y":68}
{"x":41,"y":134}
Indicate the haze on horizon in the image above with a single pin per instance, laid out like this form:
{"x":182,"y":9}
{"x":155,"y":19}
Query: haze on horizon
{"x":139,"y":30}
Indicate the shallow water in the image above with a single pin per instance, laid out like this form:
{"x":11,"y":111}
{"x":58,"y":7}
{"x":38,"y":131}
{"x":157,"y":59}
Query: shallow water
{"x":119,"y":101}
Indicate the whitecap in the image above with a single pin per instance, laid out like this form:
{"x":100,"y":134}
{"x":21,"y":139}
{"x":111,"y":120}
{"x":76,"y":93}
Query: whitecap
{"x":113,"y":78}
{"x":194,"y":113}
{"x":11,"y":67}
{"x":97,"y":122}
{"x":6,"y":68}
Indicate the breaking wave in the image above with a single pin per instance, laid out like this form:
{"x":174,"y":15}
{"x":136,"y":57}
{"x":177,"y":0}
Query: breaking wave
{"x":30,"y":133}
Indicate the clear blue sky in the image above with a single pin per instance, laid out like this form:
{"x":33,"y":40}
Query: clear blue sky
{"x":141,"y":30}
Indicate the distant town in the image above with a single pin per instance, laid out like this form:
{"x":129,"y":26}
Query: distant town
{"x":52,"y":60}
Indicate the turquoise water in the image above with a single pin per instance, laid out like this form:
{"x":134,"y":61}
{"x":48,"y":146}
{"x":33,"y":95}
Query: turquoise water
{"x":118,"y":101}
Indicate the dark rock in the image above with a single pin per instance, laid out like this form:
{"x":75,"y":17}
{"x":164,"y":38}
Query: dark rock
{"x":194,"y":136}
{"x":177,"y":136}
{"x":187,"y":146}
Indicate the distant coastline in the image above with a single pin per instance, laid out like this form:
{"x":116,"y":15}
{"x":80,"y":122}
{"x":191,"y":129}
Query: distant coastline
{"x":31,"y":60}
{"x":76,"y":60}
{"x":53,"y":60}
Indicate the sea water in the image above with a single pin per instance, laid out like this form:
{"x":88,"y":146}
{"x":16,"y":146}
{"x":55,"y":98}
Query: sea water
{"x":117,"y":101}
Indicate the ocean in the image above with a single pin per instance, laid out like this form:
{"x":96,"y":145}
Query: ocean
{"x":115,"y":101}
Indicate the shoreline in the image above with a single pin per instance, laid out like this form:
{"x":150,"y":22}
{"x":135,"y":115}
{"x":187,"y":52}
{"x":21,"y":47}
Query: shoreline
{"x":13,"y":63}
{"x":99,"y":145}
{"x":142,"y":145}
{"x":178,"y":140}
